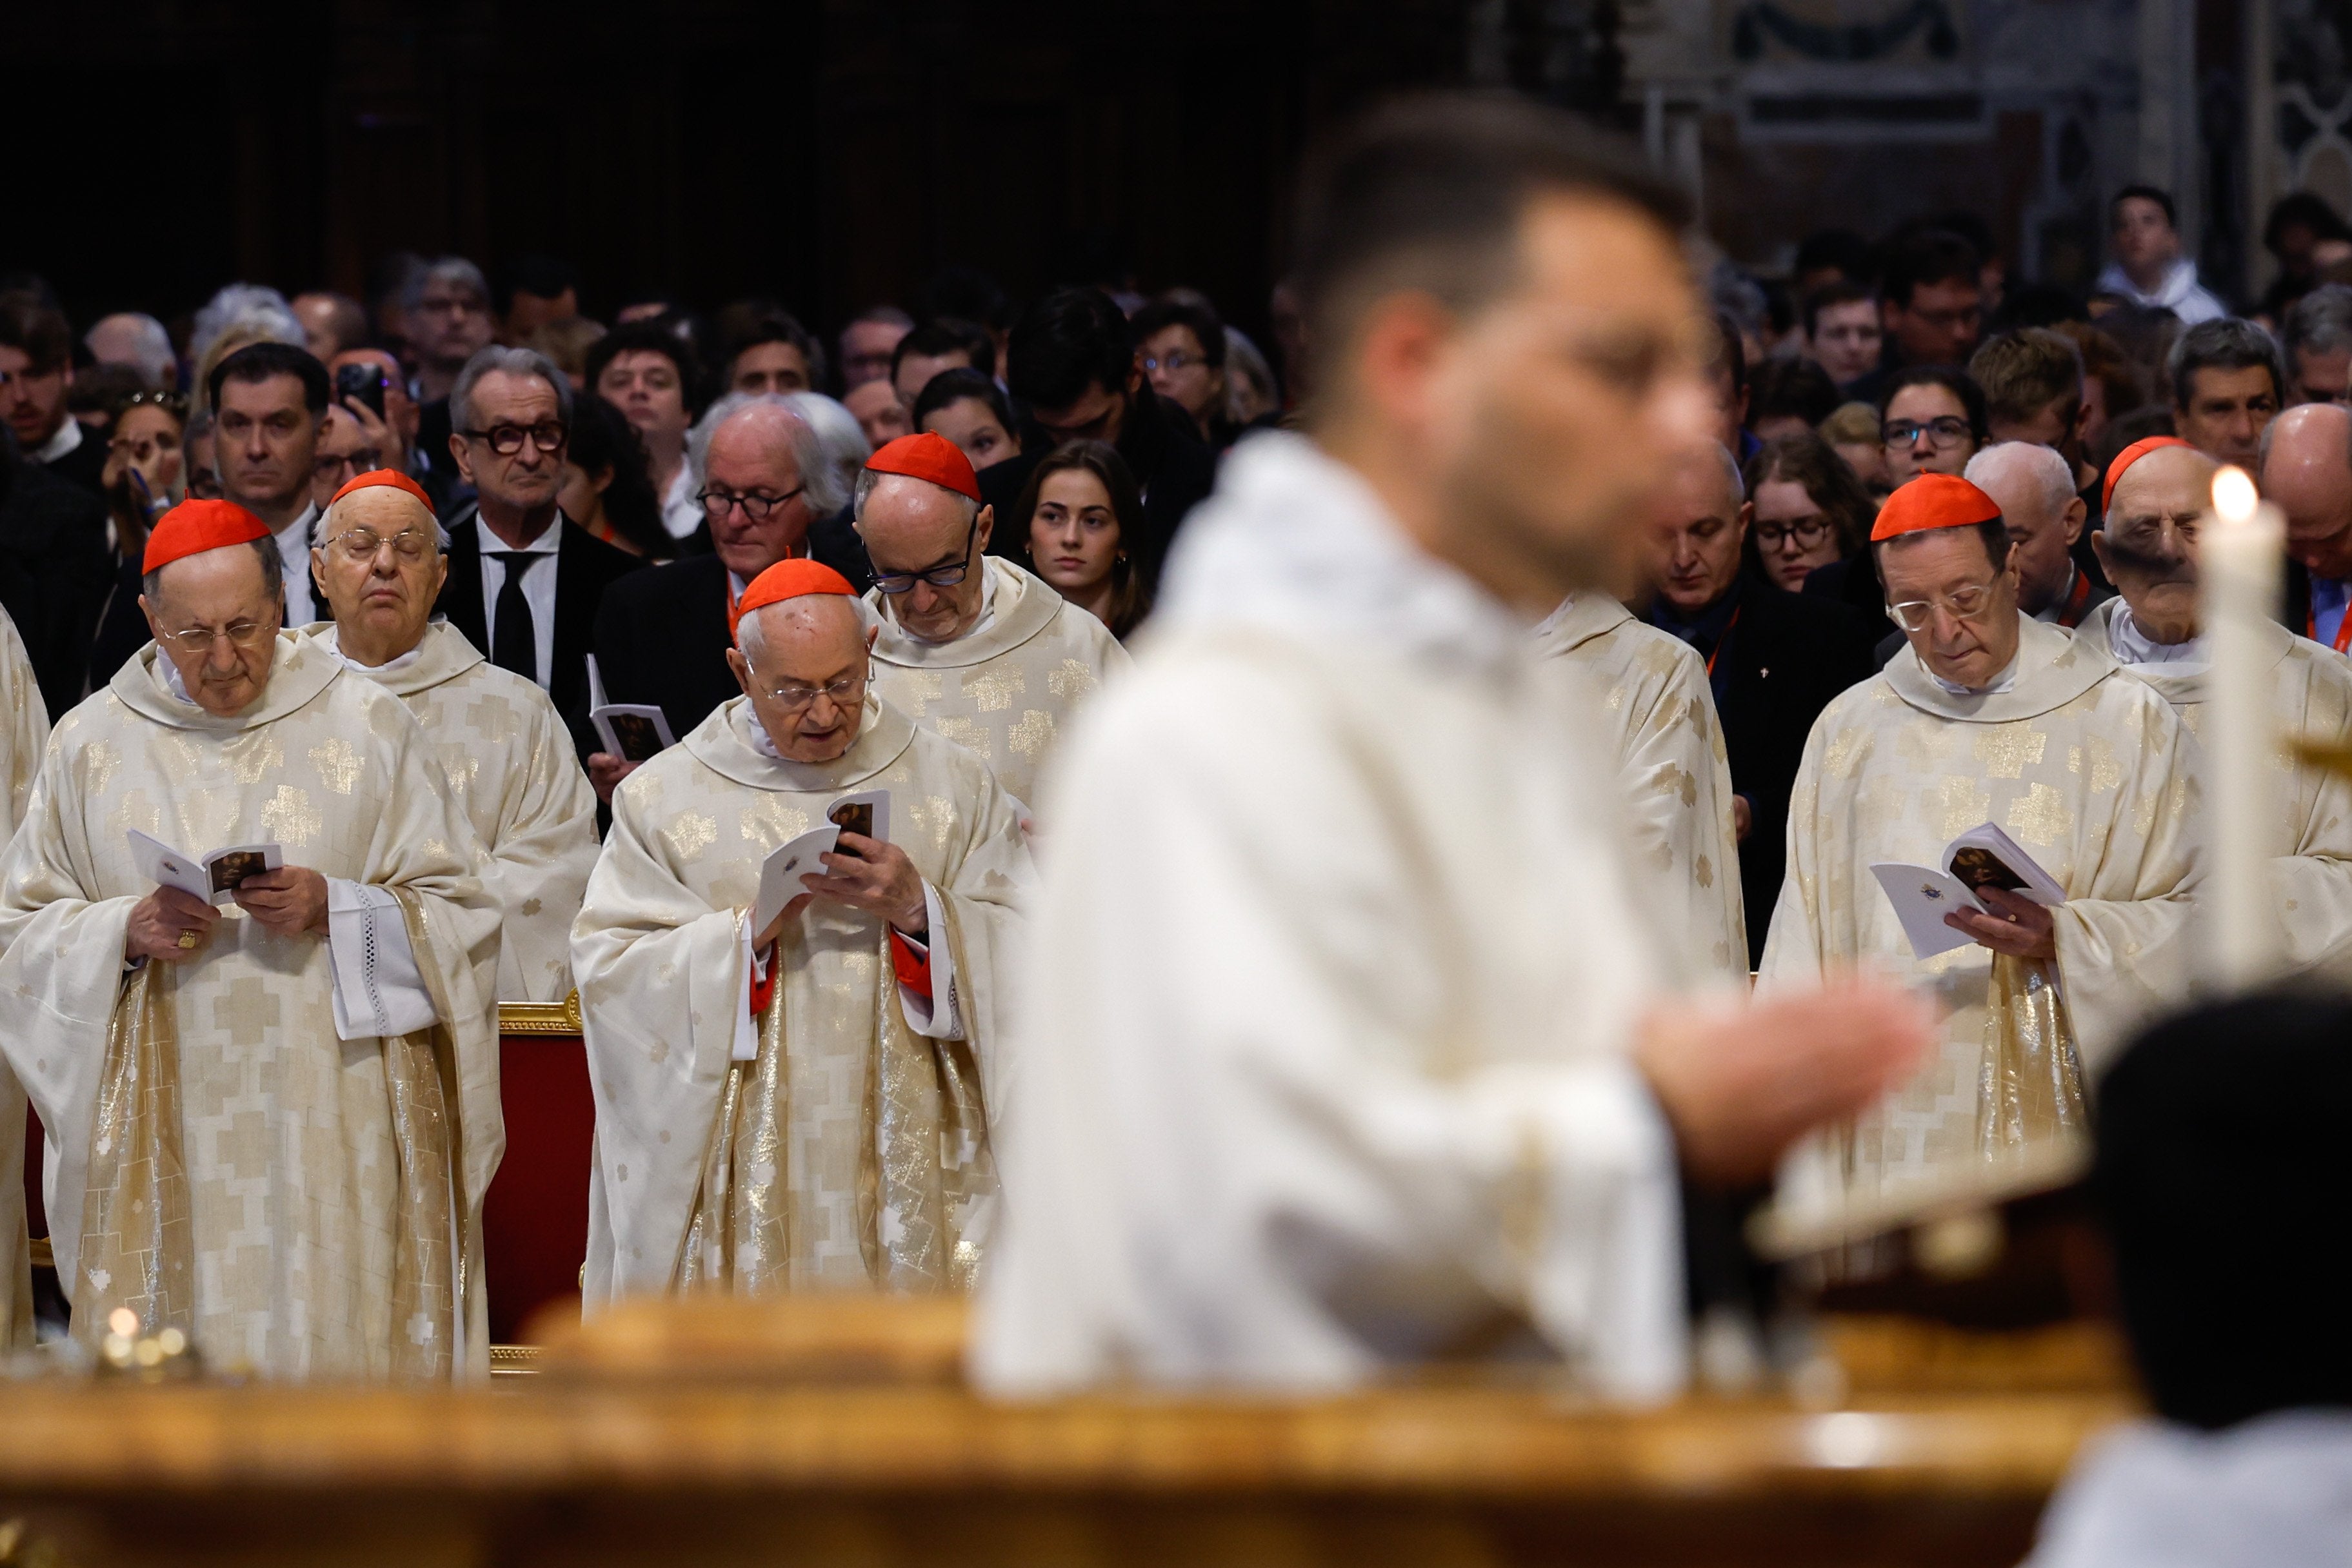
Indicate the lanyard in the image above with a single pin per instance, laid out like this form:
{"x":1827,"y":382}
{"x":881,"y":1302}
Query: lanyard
{"x":2311,"y":622}
{"x":1727,"y":625}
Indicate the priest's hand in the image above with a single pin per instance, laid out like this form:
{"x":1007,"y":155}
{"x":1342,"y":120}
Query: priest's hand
{"x":875,"y":877}
{"x":1743,"y":818}
{"x":160,"y":921}
{"x":1742,"y":1081}
{"x":605,"y":772}
{"x":290,"y":901}
{"x":2016,"y":927}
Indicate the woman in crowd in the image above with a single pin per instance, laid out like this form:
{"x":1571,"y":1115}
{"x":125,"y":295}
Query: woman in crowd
{"x":146,"y":472}
{"x":1080,"y":505}
{"x":1810,"y":509}
{"x":605,"y":488}
{"x":1851,"y":431}
{"x":969,"y":409}
{"x":1932,"y":420}
{"x":1184,"y":345}
{"x":651,"y":374}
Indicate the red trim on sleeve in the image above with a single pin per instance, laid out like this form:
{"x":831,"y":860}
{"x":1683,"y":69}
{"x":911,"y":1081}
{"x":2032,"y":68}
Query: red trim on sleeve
{"x":912,"y":965}
{"x":763,"y":987}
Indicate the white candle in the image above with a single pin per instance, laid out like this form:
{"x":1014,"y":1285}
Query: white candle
{"x":2239,"y":554}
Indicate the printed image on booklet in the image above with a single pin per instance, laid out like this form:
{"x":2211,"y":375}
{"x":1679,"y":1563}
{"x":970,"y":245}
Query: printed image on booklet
{"x":214,"y":878}
{"x":634,"y":732}
{"x":1982,"y":857}
{"x":866,"y":814}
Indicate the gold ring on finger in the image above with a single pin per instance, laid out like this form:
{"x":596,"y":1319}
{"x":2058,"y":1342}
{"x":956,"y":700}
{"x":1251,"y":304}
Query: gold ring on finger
{"x":187,"y":938}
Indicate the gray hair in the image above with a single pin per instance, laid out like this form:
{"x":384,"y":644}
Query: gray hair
{"x":514,"y":362}
{"x":446,"y":270}
{"x":260,"y":311}
{"x":2321,"y":321}
{"x":1731,"y":476}
{"x":149,"y":348}
{"x":2041,"y":463}
{"x":2226,"y":343}
{"x":867,"y":478}
{"x":273,"y":573}
{"x":838,"y":432}
{"x":821,"y":483}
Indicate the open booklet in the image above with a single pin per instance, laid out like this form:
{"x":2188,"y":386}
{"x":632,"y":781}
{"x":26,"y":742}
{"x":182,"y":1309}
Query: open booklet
{"x":214,"y":878}
{"x":1984,"y":856}
{"x":634,"y":732}
{"x":868,"y":815}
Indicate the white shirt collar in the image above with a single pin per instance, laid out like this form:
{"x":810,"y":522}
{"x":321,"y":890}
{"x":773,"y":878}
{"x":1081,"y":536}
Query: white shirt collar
{"x":2130,"y":645}
{"x":66,"y":440}
{"x":550,"y":540}
{"x":331,"y":640}
{"x":172,"y":682}
{"x":2005,"y":680}
{"x":295,"y":535}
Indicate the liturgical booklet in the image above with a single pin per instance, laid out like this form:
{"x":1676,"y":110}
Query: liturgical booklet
{"x":634,"y":732}
{"x":866,"y":814}
{"x":1984,"y":856}
{"x":214,"y":878}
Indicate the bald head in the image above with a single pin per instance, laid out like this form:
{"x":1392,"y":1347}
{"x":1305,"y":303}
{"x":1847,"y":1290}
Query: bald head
{"x":913,"y":530}
{"x":2148,"y":545}
{"x":803,"y":664}
{"x":2034,"y":489}
{"x":2307,"y":474}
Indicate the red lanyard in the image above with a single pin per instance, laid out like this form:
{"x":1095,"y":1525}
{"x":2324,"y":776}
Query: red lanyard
{"x":2311,"y":622}
{"x":2072,"y":616}
{"x":1727,"y":625}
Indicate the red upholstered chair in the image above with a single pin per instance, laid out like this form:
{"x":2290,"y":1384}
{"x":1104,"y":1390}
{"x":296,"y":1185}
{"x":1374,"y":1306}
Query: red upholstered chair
{"x":535,"y":1219}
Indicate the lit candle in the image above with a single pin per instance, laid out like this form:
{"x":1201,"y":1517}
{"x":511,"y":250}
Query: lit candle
{"x":2239,"y":554}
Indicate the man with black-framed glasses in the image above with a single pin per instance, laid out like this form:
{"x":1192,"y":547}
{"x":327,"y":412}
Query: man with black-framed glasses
{"x":1988,"y":715}
{"x":523,"y":587}
{"x":982,"y":651}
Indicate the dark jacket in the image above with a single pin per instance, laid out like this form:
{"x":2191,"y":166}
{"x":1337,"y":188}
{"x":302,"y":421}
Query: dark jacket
{"x":1171,"y":463}
{"x":661,"y":637}
{"x":55,"y":572}
{"x":1782,"y":661}
{"x":584,"y":568}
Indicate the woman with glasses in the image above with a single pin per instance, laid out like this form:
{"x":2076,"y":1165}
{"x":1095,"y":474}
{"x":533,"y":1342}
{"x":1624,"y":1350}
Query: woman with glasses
{"x":651,"y":374}
{"x":1932,"y":420}
{"x":1810,"y":509}
{"x":1078,"y":508}
{"x":1184,"y":345}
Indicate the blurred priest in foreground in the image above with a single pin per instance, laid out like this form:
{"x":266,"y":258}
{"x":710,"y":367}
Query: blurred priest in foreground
{"x":382,"y":557}
{"x":803,"y":1104}
{"x":24,"y":733}
{"x":1987,"y":716}
{"x":271,"y":1125}
{"x":1344,"y":1046}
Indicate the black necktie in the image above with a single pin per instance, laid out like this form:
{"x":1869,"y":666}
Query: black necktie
{"x":514,"y":645}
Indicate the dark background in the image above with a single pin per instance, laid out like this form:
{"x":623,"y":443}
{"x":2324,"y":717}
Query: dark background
{"x":831,"y":153}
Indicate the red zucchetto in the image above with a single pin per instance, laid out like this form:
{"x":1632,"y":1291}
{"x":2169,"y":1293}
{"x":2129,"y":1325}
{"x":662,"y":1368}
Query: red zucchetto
{"x":931,"y":457}
{"x":194,"y":527}
{"x":391,"y":479}
{"x":790,"y":580}
{"x":2127,"y":457}
{"x":1933,"y":501}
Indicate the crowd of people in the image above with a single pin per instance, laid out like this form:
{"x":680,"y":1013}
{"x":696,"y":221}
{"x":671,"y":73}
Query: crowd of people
{"x":1591,"y":637}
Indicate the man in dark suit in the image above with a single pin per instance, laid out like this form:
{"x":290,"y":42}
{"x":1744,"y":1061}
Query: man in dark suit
{"x":1774,"y":660}
{"x":53,"y":571}
{"x":1073,"y":363}
{"x":662,"y":635}
{"x":523,"y":587}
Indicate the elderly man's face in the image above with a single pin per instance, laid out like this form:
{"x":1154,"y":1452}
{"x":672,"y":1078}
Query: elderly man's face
{"x":505,"y":406}
{"x":1967,"y":611}
{"x":2226,"y":412}
{"x":866,"y":351}
{"x":770,"y":368}
{"x":1701,"y":535}
{"x":451,"y":323}
{"x":213,"y":617}
{"x":343,"y":454}
{"x":805,"y":672}
{"x":912,"y":528}
{"x":2042,"y":536}
{"x":751,"y":468}
{"x":381,"y":569}
{"x":264,"y":442}
{"x":2148,"y":545}
{"x":2309,"y":476}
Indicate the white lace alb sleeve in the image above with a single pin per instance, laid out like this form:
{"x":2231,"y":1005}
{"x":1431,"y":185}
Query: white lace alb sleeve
{"x":379,"y":990}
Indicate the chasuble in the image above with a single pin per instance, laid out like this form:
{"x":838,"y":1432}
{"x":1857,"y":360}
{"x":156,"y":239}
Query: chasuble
{"x":1006,"y":687}
{"x":510,"y":764}
{"x":300,"y":1199}
{"x":23,"y":731}
{"x":2092,"y":775}
{"x":835,"y":1139}
{"x":1330,"y":997}
{"x":1675,"y":777}
{"x":2311,"y":690}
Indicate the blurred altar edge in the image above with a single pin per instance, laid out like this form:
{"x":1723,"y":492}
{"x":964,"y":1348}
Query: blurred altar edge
{"x":535,"y":1217}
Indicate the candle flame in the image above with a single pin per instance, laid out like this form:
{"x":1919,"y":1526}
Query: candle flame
{"x":2233,"y":495}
